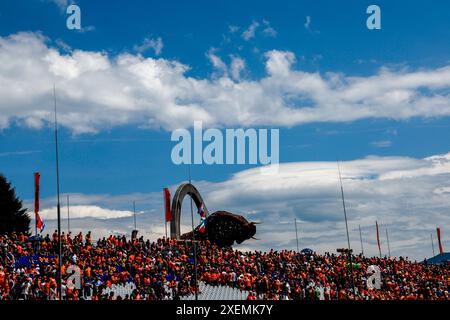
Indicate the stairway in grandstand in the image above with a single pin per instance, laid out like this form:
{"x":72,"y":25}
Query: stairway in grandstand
{"x":208,"y":292}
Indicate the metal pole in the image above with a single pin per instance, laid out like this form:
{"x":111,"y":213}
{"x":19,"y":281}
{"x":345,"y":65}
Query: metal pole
{"x":360,"y":238}
{"x":58,"y":201}
{"x":346,"y":228}
{"x":387,"y":238}
{"x":35,"y":214}
{"x":164,"y":210}
{"x":165,"y":224}
{"x":68,"y":215}
{"x":432,"y":244}
{"x":134,"y":215}
{"x":378,"y":238}
{"x":296,"y":234}
{"x":193,"y":242}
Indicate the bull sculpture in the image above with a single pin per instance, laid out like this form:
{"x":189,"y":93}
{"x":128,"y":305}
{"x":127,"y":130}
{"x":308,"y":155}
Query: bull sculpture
{"x":222,"y":228}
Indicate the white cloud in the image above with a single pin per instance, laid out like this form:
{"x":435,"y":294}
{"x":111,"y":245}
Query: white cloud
{"x":381,"y":143}
{"x":155,"y":44}
{"x":307,"y":23}
{"x":95,"y":91}
{"x":217,"y":62}
{"x":62,"y":4}
{"x":279,"y":63}
{"x":249,"y":33}
{"x":308,"y":26}
{"x":235,"y":69}
{"x":77,"y":212}
{"x":442,"y":190}
{"x":233,"y":29}
{"x":408,"y":196}
{"x":64,"y":46}
{"x":237,"y":66}
{"x":86,"y":29}
{"x":18,"y":153}
{"x":268,"y":30}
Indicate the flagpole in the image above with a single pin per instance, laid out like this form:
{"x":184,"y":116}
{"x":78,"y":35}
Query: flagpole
{"x":296,"y":235}
{"x":164,"y":207}
{"x":37,"y":177}
{"x":165,"y":224}
{"x":35,"y":213}
{"x":346,"y":228}
{"x":193,"y":242}
{"x":58,"y":207}
{"x":387,"y":238}
{"x":68,"y":215}
{"x":134,"y":214}
{"x":360,"y":239}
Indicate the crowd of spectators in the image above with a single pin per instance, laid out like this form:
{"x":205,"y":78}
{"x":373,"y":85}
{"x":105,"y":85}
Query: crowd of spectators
{"x":163,"y":270}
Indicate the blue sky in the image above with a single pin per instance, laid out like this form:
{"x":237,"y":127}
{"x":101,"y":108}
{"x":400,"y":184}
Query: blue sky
{"x":390,"y":89}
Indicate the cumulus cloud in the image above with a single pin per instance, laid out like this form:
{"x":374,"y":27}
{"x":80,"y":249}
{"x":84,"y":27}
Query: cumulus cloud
{"x":381,"y":143}
{"x":234,"y":70}
{"x":96,"y":91}
{"x":268,"y":30}
{"x":237,"y":66}
{"x":408,"y":196}
{"x":18,"y":153}
{"x":86,"y":29}
{"x":307,"y":23}
{"x":217,"y":62}
{"x":249,"y":33}
{"x":155,"y":44}
{"x":62,"y":4}
{"x":308,"y":26}
{"x":86,"y":211}
{"x":233,"y":28}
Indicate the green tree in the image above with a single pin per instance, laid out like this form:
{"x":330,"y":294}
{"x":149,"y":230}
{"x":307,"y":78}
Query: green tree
{"x":13,"y":217}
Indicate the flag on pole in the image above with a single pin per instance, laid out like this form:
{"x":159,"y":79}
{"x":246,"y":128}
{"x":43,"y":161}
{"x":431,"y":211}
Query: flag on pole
{"x":438,"y":230}
{"x":167,"y":204}
{"x":202,"y":226}
{"x":39,"y":223}
{"x":201,"y":212}
{"x":378,"y":238}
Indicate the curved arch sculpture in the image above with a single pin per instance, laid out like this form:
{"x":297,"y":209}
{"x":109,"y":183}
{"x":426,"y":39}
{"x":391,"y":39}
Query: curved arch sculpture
{"x":182,"y":191}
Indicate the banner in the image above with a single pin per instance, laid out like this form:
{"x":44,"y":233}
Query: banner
{"x":167,"y":204}
{"x":37,"y":177}
{"x":378,"y":238}
{"x":39,"y":223}
{"x":438,"y":230}
{"x":201,"y":212}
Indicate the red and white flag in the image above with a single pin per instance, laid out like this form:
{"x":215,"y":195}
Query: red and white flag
{"x":201,"y":212}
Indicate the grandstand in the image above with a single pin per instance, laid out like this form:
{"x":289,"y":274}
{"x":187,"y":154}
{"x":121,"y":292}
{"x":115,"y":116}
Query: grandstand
{"x":116,"y":268}
{"x":208,"y":292}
